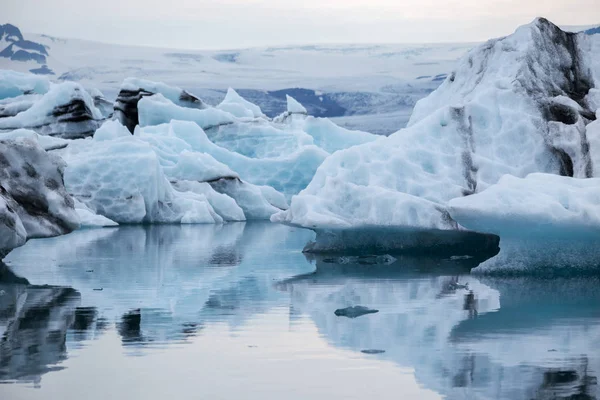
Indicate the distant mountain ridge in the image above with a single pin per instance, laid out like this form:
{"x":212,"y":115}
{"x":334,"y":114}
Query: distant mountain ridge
{"x":370,"y":87}
{"x":592,"y":31}
{"x":16,"y":48}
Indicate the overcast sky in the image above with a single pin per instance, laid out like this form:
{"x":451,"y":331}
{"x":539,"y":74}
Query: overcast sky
{"x":203,"y":24}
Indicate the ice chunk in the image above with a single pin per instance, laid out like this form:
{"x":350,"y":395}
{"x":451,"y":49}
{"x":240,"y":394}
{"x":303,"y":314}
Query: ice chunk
{"x":13,"y":84}
{"x":157,"y":109}
{"x":12,"y":106}
{"x":111,"y":130}
{"x":249,"y":197}
{"x":89,"y":219}
{"x":294,"y":107}
{"x":512,"y":106}
{"x":224,"y":205}
{"x":287,"y":174}
{"x":32,"y":188}
{"x":538,"y":205}
{"x":331,"y":137}
{"x":67,"y":110}
{"x":122,"y":179}
{"x":12,"y":232}
{"x":235,"y":104}
{"x":547,"y":223}
{"x":378,"y":240}
{"x":133,"y":90}
{"x":354,"y":311}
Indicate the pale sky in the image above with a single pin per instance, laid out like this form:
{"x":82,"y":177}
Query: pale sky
{"x":213,"y":24}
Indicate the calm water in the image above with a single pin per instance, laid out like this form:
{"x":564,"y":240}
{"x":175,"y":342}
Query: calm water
{"x":238,"y":312}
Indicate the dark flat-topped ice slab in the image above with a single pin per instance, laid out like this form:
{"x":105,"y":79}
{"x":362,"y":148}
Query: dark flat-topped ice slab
{"x":374,"y":240}
{"x":354,"y":311}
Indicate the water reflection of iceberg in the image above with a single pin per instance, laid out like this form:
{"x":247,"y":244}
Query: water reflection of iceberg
{"x":169,"y":280}
{"x":33,"y":328}
{"x":529,"y":339}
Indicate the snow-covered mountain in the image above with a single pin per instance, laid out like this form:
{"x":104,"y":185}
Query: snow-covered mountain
{"x":15,"y":48}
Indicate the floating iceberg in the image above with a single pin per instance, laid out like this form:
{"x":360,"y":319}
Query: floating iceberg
{"x":66,"y":111}
{"x":33,"y":200}
{"x":547,"y":223}
{"x":236,"y":105}
{"x":14,"y":84}
{"x":515,"y":105}
{"x":156,"y":176}
{"x":541,"y":205}
{"x":283,"y":153}
{"x":133,"y":89}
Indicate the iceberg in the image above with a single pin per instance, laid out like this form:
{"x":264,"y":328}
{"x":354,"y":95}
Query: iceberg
{"x":541,"y":205}
{"x":236,"y":105}
{"x":133,"y":89}
{"x":14,"y":84}
{"x":515,"y":105}
{"x":66,"y":111}
{"x":33,"y":199}
{"x":122,"y":180}
{"x":548,"y":224}
{"x":283,"y":153}
{"x":156,"y":176}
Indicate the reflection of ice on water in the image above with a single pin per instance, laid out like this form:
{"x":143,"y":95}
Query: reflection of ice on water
{"x":465,"y":336}
{"x":172,"y":275}
{"x":33,"y":328}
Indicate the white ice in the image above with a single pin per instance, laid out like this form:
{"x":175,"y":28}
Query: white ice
{"x":235,"y":104}
{"x":492,"y":116}
{"x":539,"y":205}
{"x":13,"y":84}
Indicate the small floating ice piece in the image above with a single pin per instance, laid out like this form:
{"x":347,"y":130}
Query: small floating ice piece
{"x":354,"y":312}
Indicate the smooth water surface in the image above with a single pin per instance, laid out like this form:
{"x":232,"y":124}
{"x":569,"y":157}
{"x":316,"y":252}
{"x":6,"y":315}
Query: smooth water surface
{"x":238,"y":312}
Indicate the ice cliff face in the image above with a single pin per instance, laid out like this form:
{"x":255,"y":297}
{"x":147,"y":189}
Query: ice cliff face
{"x":33,"y":199}
{"x":514,"y":105}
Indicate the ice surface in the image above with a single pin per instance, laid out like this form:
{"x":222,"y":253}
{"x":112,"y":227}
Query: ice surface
{"x":134,"y":89}
{"x":66,"y":110}
{"x":11,"y":106}
{"x":13,"y":84}
{"x":294,"y":107}
{"x":122,"y":180}
{"x":224,"y":205}
{"x":283,"y":153}
{"x":235,"y":104}
{"x":157,"y":109}
{"x":540,"y":205}
{"x":89,"y":219}
{"x":33,"y":200}
{"x":173,"y":93}
{"x":158,"y":176}
{"x":288,"y":174}
{"x":12,"y":232}
{"x":513,"y":105}
{"x":548,"y":224}
{"x":249,"y":197}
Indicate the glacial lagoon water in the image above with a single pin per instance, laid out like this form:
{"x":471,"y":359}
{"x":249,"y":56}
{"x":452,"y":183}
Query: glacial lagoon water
{"x":239,"y":312}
